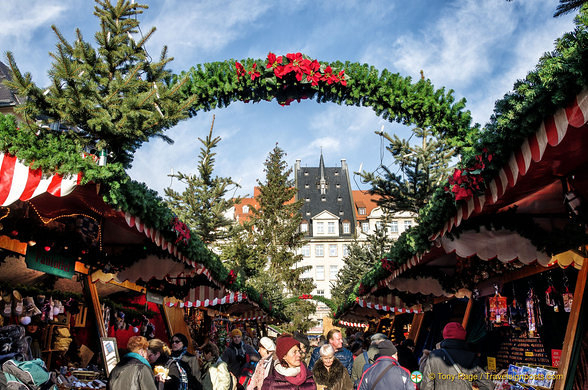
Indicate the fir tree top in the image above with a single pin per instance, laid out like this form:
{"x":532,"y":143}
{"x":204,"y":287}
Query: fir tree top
{"x":113,"y":97}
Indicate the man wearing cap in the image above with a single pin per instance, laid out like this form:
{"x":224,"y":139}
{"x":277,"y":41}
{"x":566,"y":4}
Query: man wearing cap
{"x":239,"y":355}
{"x":386,"y":373}
{"x":367,"y":357}
{"x":448,"y":367}
{"x":335,"y":338}
{"x":266,"y":350}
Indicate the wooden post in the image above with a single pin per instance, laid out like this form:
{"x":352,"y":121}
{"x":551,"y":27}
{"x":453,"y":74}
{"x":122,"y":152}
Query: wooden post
{"x":174,"y":317}
{"x":466,"y":316}
{"x":415,"y":328}
{"x":566,"y":354}
{"x":91,"y":289}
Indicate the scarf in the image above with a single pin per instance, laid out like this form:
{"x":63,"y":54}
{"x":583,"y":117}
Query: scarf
{"x":183,"y":374}
{"x":294,"y":375}
{"x":140,"y":358}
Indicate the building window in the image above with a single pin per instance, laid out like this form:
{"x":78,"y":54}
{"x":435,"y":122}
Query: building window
{"x":365,"y":227}
{"x":361,"y":211}
{"x":407,"y":225}
{"x":305,"y":173}
{"x":308,"y":213}
{"x":307,"y":273}
{"x":320,"y":273}
{"x":320,"y":228}
{"x":303,"y":227}
{"x":331,"y":227}
{"x":320,"y":293}
{"x":306,"y":250}
{"x":318,"y":250}
{"x":333,"y":272}
{"x":339,"y":199}
{"x":307,"y":199}
{"x":378,"y":225}
{"x":336,"y":173}
{"x":341,"y":212}
{"x":394,"y":226}
{"x":346,"y":228}
{"x":338,"y":185}
{"x":245,"y":209}
{"x":333,"y":250}
{"x":345,"y":251}
{"x":306,"y":185}
{"x":323,"y":198}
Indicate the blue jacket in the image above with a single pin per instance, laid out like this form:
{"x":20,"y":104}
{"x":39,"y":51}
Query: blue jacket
{"x":396,"y":378}
{"x":343,"y":355}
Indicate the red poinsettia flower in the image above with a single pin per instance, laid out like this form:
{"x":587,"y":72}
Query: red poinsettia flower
{"x":342,"y":78}
{"x":240,"y":69}
{"x":314,"y":75}
{"x":298,"y":64}
{"x":253,"y":72}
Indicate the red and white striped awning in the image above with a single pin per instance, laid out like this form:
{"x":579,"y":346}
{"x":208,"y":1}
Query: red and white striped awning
{"x":155,"y":236}
{"x":551,"y":132}
{"x":353,"y":324}
{"x":230,"y":298}
{"x":19,"y":182}
{"x":251,"y":316}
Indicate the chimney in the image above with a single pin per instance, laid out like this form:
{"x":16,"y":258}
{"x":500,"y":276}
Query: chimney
{"x":343,"y":164}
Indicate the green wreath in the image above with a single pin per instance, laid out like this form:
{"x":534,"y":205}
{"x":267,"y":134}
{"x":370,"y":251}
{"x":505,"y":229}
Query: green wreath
{"x":295,"y":76}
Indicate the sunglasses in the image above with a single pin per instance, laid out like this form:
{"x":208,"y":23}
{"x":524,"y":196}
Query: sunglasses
{"x":176,"y":341}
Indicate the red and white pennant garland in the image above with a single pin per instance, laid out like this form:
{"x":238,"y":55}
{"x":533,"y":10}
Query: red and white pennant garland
{"x":250,"y":318}
{"x":377,"y":306}
{"x":353,"y":324}
{"x":231,"y":298}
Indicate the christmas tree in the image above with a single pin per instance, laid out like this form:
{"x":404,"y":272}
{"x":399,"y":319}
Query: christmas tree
{"x":363,"y":256}
{"x":422,"y":168}
{"x":111,"y":98}
{"x":203,"y":203}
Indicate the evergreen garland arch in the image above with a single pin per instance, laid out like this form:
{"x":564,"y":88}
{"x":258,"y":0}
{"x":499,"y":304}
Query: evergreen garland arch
{"x":296,"y":76}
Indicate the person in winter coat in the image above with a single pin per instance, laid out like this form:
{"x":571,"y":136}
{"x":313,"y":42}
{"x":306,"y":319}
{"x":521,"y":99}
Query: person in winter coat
{"x":266,"y":350}
{"x":158,"y":354}
{"x":239,"y":355}
{"x":215,"y":373}
{"x":329,"y":372}
{"x":386,"y":373}
{"x":184,"y":368}
{"x":453,"y":358}
{"x":360,"y":361}
{"x":288,"y":372}
{"x":133,"y":371}
{"x":335,"y":339}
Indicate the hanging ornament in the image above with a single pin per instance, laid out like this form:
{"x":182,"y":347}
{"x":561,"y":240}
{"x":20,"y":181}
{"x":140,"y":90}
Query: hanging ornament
{"x":498,"y":308}
{"x":567,"y":296}
{"x":531,"y":319}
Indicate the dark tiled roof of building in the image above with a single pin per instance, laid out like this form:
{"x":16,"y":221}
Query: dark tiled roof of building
{"x":7,"y":98}
{"x":336,"y":197}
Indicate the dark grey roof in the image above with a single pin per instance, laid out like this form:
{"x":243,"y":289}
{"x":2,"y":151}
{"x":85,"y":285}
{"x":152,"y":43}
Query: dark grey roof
{"x":7,"y":98}
{"x":337,"y":195}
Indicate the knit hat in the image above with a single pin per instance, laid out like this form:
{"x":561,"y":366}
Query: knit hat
{"x":283,"y":345}
{"x":378,"y":337}
{"x":386,"y":348}
{"x":236,"y":332}
{"x":454,"y":330}
{"x":268,"y":344}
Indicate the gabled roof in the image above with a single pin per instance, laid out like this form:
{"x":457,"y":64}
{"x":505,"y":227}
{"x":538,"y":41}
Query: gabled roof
{"x":7,"y":97}
{"x":325,"y":214}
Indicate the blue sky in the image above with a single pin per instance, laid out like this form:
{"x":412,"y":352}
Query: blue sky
{"x":477,"y":48}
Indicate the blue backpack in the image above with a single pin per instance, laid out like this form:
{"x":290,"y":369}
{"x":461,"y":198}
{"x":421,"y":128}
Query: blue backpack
{"x":368,"y":363}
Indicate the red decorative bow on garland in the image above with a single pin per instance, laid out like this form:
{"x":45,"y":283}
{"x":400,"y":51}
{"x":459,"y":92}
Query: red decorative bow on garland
{"x":305,"y":296}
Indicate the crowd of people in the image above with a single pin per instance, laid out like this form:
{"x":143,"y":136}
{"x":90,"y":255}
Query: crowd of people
{"x":290,"y":362}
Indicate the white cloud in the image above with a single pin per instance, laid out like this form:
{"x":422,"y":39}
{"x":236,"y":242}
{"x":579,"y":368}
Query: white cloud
{"x":203,"y":26}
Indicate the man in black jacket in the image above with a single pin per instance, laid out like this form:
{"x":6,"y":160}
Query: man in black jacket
{"x":238,"y":355}
{"x":453,"y":366}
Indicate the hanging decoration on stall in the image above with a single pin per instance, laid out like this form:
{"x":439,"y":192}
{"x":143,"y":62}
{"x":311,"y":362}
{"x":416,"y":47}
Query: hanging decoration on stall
{"x":516,"y":312}
{"x":567,"y":296}
{"x":498,"y":310}
{"x":531,"y":315}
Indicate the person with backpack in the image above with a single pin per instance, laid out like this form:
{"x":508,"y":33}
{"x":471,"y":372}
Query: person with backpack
{"x":329,"y":373}
{"x":364,"y":360}
{"x":133,"y":371}
{"x":240,"y":358}
{"x":266,"y":350}
{"x":184,"y":367}
{"x":386,"y":373}
{"x":452,"y":359}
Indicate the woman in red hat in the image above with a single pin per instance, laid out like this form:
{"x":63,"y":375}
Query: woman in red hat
{"x":288,"y":371}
